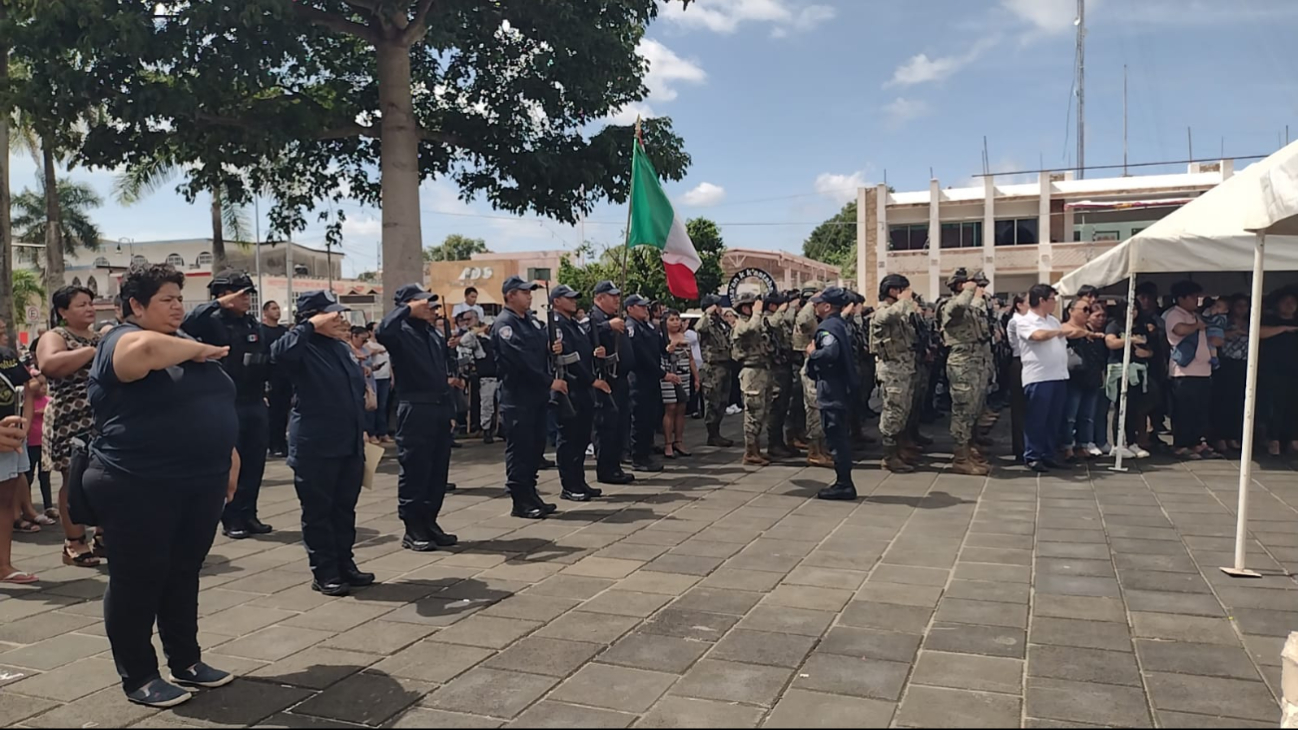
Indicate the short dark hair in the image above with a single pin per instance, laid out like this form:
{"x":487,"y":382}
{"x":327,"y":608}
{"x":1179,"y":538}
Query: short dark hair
{"x":268,"y":303}
{"x":470,"y":290}
{"x":1086,"y":290}
{"x":359,"y":330}
{"x":1039,"y":293}
{"x":62,"y":299}
{"x":141,"y":283}
{"x":1147,"y":289}
{"x":1185,"y":288}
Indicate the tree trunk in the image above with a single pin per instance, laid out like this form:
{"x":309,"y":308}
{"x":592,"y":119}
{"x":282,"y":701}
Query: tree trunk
{"x":218,"y":235}
{"x":398,"y":171}
{"x":7,"y":308}
{"x":53,"y":222}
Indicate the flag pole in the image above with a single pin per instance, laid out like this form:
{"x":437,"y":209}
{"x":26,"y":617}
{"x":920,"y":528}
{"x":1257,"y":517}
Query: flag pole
{"x":626,"y":245}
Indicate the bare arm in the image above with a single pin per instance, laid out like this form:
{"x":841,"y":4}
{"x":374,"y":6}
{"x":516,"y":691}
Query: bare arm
{"x":57,"y":361}
{"x":1042,"y":335}
{"x":233,"y":481}
{"x":139,"y":353}
{"x":1269,"y":331}
{"x":1185,"y":329}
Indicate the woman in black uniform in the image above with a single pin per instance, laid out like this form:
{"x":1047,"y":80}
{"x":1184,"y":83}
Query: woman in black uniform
{"x":159,"y":473}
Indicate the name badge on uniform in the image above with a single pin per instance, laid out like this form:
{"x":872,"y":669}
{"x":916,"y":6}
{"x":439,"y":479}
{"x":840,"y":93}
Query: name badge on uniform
{"x":558,"y":335}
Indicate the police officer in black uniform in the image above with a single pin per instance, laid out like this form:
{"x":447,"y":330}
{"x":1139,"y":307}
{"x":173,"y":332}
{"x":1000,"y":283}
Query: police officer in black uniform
{"x":612,"y":410}
{"x":523,"y":364}
{"x":279,"y":392}
{"x":325,"y":434}
{"x":574,"y":432}
{"x":424,"y":415}
{"x":646,"y":383}
{"x":226,"y":322}
{"x":831,"y":365}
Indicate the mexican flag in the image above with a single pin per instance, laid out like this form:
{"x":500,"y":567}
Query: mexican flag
{"x":654,"y":223}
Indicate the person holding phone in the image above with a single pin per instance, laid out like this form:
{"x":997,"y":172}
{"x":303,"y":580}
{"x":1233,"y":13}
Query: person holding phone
{"x":226,"y":321}
{"x":16,"y":406}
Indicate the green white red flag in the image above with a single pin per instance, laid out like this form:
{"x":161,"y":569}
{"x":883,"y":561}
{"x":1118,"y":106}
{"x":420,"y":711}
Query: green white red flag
{"x":654,"y":222}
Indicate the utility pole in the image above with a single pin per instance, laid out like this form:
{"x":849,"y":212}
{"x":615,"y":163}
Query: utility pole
{"x":1081,"y":89}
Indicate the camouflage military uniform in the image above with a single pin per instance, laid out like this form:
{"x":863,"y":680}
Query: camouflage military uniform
{"x":804,"y":330}
{"x":780,"y":337}
{"x":714,"y":342}
{"x":963,"y":321}
{"x":892,"y":340}
{"x":795,"y":422}
{"x":925,"y":339}
{"x":750,"y":348}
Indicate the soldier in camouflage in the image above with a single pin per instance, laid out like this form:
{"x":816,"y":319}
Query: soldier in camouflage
{"x":804,"y":332}
{"x":795,"y":432}
{"x":892,"y":340}
{"x":927,"y":352}
{"x":750,"y":348}
{"x":714,"y":342}
{"x":859,"y":325}
{"x":781,"y":337}
{"x":963,"y":321}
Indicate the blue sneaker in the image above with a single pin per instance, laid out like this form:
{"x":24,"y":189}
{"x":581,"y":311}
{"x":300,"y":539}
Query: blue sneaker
{"x":159,"y":694}
{"x":201,"y":675}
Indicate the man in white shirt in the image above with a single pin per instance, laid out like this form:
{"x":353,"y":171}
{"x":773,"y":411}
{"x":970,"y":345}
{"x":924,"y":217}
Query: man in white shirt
{"x":470,"y":304}
{"x":1045,"y":377}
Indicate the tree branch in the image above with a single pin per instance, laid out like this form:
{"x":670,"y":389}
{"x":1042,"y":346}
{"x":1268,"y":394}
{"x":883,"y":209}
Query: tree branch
{"x":418,"y":26}
{"x":335,"y":22}
{"x":450,"y":140}
{"x":347,"y":131}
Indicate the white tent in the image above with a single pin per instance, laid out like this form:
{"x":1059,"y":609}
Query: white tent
{"x":1210,"y":234}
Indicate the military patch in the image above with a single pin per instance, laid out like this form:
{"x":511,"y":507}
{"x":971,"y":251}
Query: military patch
{"x":630,"y":331}
{"x":558,"y":335}
{"x":824,"y":339}
{"x":506,"y":332}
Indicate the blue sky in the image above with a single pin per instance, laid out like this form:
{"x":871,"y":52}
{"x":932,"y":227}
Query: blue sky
{"x":787,"y":105}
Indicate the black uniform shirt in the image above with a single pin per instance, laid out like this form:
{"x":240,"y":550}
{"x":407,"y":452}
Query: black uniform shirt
{"x":522,"y":359}
{"x":418,"y":356}
{"x":647,"y":345}
{"x":173,"y":424}
{"x":581,"y":374}
{"x":614,"y":342}
{"x":328,"y":419}
{"x":269,"y":334}
{"x":248,"y":363}
{"x":832,"y":364}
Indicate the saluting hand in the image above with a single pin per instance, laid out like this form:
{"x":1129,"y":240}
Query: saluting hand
{"x":230,"y":298}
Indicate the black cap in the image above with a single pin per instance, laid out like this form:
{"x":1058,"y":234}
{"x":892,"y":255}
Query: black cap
{"x":835,"y":295}
{"x":317,"y":301}
{"x":410,"y":293}
{"x":635,"y":300}
{"x":565,"y":291}
{"x":230,"y":280}
{"x":516,"y":283}
{"x":606,"y":287}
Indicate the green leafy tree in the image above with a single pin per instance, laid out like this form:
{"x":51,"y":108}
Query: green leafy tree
{"x":27,"y":288}
{"x":6,"y":226}
{"x":455,"y":248}
{"x":78,"y":232}
{"x":369,"y":276}
{"x":834,"y":241}
{"x":314,"y":97}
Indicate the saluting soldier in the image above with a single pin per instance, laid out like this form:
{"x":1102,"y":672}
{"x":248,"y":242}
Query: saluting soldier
{"x":226,"y":321}
{"x":962,"y":319}
{"x":612,"y":410}
{"x":892,"y":340}
{"x":714,"y":343}
{"x":804,"y":333}
{"x":583,"y":382}
{"x":795,"y":429}
{"x":425,"y":415}
{"x":325,"y":438}
{"x":780,"y":337}
{"x":522,"y":359}
{"x":750,"y":348}
{"x":830,"y":361}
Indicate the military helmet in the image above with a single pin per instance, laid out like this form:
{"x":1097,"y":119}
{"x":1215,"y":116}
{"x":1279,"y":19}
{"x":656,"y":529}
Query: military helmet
{"x":745,"y":298}
{"x":892,"y":281}
{"x":958,"y":278}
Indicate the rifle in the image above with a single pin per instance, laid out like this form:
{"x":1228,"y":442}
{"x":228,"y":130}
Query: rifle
{"x":559,"y":363}
{"x":459,"y":402}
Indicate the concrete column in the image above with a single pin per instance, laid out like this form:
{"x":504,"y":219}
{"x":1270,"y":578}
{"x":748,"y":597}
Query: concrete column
{"x":862,"y":243}
{"x":934,"y":239}
{"x":1227,"y":169}
{"x":989,"y":231}
{"x":1044,"y":265}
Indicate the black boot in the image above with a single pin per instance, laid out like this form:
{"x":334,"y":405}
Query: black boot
{"x":575,"y":495}
{"x":440,"y":537}
{"x":236,"y":531}
{"x":417,"y":538}
{"x":354,"y":577}
{"x":257,"y":527}
{"x":836,"y":491}
{"x":331,"y":587}
{"x":616,"y":479}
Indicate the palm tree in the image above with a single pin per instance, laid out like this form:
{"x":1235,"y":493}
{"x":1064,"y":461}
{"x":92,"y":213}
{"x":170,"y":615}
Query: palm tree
{"x":6,"y":227}
{"x":77,"y":232}
{"x":145,"y":178}
{"x":26,"y":285}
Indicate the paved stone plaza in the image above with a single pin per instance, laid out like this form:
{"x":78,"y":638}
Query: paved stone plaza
{"x":714,"y":595}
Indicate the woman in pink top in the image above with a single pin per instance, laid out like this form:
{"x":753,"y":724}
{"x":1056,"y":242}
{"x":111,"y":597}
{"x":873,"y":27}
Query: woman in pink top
{"x":1191,"y":373}
{"x":26,"y":518}
{"x":34,"y":441}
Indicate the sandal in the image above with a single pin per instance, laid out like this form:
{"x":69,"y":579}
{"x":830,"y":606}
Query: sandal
{"x":18,"y":577}
{"x":100,"y":550}
{"x":680,"y":449}
{"x":45,"y":520}
{"x":72,"y":556}
{"x":52,"y":513}
{"x":26,"y":526}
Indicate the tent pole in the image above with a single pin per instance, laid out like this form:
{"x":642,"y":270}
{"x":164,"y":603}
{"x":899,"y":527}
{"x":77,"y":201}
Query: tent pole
{"x":1120,"y":444}
{"x":1250,"y":414}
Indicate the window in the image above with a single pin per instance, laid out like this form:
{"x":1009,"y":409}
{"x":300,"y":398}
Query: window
{"x":93,"y":286}
{"x":204,"y":259}
{"x":76,"y":281}
{"x":138,"y":260}
{"x":176,"y":260}
{"x":1106,"y":236}
{"x":1017,"y":232}
{"x":913,"y":237}
{"x":1134,"y":231}
{"x":538,"y":274}
{"x":102,"y":263}
{"x":967,"y":234}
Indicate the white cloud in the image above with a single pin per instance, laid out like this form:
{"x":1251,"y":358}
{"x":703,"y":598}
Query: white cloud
{"x":839,"y":188}
{"x":1046,"y":16}
{"x":921,"y":69}
{"x":629,"y":113}
{"x":366,"y":228}
{"x":703,"y":195}
{"x":726,"y":16}
{"x":666,"y":70}
{"x":902,"y":110}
